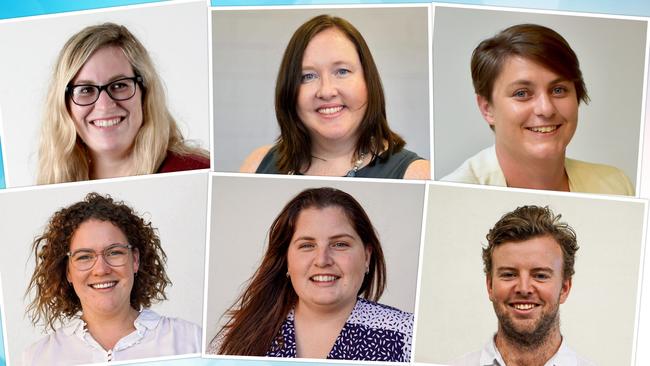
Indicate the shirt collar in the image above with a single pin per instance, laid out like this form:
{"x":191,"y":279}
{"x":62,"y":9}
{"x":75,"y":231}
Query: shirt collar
{"x":147,"y":319}
{"x":564,"y":356}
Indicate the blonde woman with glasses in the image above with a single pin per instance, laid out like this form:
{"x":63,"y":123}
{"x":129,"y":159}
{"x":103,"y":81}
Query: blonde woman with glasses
{"x":106,"y":114}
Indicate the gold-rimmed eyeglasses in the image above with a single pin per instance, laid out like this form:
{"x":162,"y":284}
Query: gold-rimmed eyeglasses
{"x":115,"y":255}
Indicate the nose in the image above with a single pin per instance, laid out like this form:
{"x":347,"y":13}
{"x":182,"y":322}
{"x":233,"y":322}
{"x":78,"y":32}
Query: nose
{"x":323,"y":257}
{"x":544,"y":105}
{"x":100,"y":266}
{"x":524,"y":285}
{"x":104,"y":100}
{"x":326,"y":88}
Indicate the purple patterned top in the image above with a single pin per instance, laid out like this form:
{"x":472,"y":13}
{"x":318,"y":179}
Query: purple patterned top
{"x":373,"y":332}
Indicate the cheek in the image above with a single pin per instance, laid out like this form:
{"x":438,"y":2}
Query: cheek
{"x":78,"y":114}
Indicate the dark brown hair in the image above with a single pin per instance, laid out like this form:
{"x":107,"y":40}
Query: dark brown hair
{"x":527,"y":222}
{"x":294,"y":143}
{"x":55,"y":300}
{"x":258,"y":314}
{"x":530,"y":41}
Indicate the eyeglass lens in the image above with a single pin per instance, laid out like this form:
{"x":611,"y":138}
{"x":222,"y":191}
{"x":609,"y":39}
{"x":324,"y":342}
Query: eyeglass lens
{"x":114,"y":255}
{"x":122,"y":89}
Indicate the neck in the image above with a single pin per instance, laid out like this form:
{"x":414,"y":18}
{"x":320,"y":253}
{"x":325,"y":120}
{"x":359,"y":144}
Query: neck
{"x":110,"y":166}
{"x":333,"y":159}
{"x":546,"y":174}
{"x":515,"y":354}
{"x":108,"y":329}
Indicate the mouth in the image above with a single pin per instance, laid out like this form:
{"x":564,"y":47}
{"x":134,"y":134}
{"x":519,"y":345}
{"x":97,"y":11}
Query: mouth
{"x":103,"y":285}
{"x":107,"y":122}
{"x":543,"y":129}
{"x":324,"y":278}
{"x":523,"y":306}
{"x":330,"y":110}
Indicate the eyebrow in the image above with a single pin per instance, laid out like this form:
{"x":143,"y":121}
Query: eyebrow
{"x":535,"y":269}
{"x":526,"y":82}
{"x":90,"y":82}
{"x":333,"y":237}
{"x":336,"y":63}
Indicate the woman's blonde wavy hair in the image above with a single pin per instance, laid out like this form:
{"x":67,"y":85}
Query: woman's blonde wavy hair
{"x":63,"y":156}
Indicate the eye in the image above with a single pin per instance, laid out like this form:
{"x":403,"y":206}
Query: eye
{"x":84,"y":90}
{"x":306,"y":245}
{"x":521,"y":94}
{"x":119,"y":85}
{"x":115,"y":252}
{"x":541,"y":276}
{"x":83,"y":257}
{"x":559,"y":90}
{"x":340,"y":245}
{"x":307,"y":77}
{"x":342,"y":72}
{"x":507,"y":275}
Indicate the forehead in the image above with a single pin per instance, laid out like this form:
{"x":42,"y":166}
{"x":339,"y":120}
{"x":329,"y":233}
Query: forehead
{"x":538,"y":252}
{"x":521,"y":69}
{"x":323,"y":221}
{"x":96,"y":234}
{"x":104,"y":64}
{"x":330,"y":45}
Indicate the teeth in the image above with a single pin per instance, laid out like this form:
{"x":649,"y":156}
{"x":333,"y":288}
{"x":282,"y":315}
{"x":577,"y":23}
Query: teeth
{"x":103,"y":285}
{"x":323,"y":278}
{"x":524,"y":306}
{"x":543,"y":129}
{"x":107,"y":122}
{"x":330,"y":110}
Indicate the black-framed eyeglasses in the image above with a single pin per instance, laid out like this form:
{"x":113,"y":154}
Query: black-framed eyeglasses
{"x":115,"y":255}
{"x":120,"y":89}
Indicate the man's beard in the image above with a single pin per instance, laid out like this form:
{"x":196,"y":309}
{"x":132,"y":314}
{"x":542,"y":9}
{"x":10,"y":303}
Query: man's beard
{"x":523,"y":338}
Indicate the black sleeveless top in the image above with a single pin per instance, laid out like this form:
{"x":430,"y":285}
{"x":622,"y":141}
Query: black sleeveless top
{"x":393,"y":167}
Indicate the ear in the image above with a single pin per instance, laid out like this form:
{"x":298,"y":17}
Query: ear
{"x":485,"y":108}
{"x":488,"y":284}
{"x":368,"y":250}
{"x":136,"y":260}
{"x":67,"y":273}
{"x":566,"y":288}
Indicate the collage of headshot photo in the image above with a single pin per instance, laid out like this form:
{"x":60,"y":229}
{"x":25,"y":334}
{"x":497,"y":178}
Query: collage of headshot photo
{"x":314,"y":183}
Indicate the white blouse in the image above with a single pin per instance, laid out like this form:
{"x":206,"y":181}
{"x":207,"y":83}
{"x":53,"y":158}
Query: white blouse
{"x":154,"y":336}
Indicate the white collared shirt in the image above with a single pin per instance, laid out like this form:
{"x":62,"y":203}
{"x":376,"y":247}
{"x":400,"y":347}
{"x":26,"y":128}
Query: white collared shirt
{"x":154,"y":336}
{"x":490,"y":356}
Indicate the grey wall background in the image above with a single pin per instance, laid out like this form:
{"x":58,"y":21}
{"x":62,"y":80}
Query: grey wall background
{"x":598,"y":319}
{"x":243,"y":208}
{"x":183,"y":240}
{"x":612,"y":59}
{"x":247,"y":47}
{"x":30,"y":49}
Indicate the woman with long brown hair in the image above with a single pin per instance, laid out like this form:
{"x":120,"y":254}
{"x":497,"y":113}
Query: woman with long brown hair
{"x":330,"y":106}
{"x":315,"y":293}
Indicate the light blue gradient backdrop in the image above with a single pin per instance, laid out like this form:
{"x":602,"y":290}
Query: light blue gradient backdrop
{"x":15,"y":9}
{"x":620,"y":7}
{"x":2,"y":342}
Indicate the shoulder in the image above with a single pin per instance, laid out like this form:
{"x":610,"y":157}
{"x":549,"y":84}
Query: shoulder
{"x":175,"y":162}
{"x":381,"y":316}
{"x":57,"y":345}
{"x":597,"y":178}
{"x":482,"y":168}
{"x":419,"y":169}
{"x":180,"y":327}
{"x":253,"y":160}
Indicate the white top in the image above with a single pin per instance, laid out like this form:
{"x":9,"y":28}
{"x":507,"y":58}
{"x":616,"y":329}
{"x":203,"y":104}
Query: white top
{"x":490,"y":356}
{"x":484,"y":168}
{"x":154,"y":336}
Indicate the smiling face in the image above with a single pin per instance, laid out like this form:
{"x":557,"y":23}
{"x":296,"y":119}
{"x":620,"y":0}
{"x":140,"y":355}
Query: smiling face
{"x":526,"y":288}
{"x":107,"y":127}
{"x":534,"y":111}
{"x":327,"y":260}
{"x":102,"y":290}
{"x":332,"y":97}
